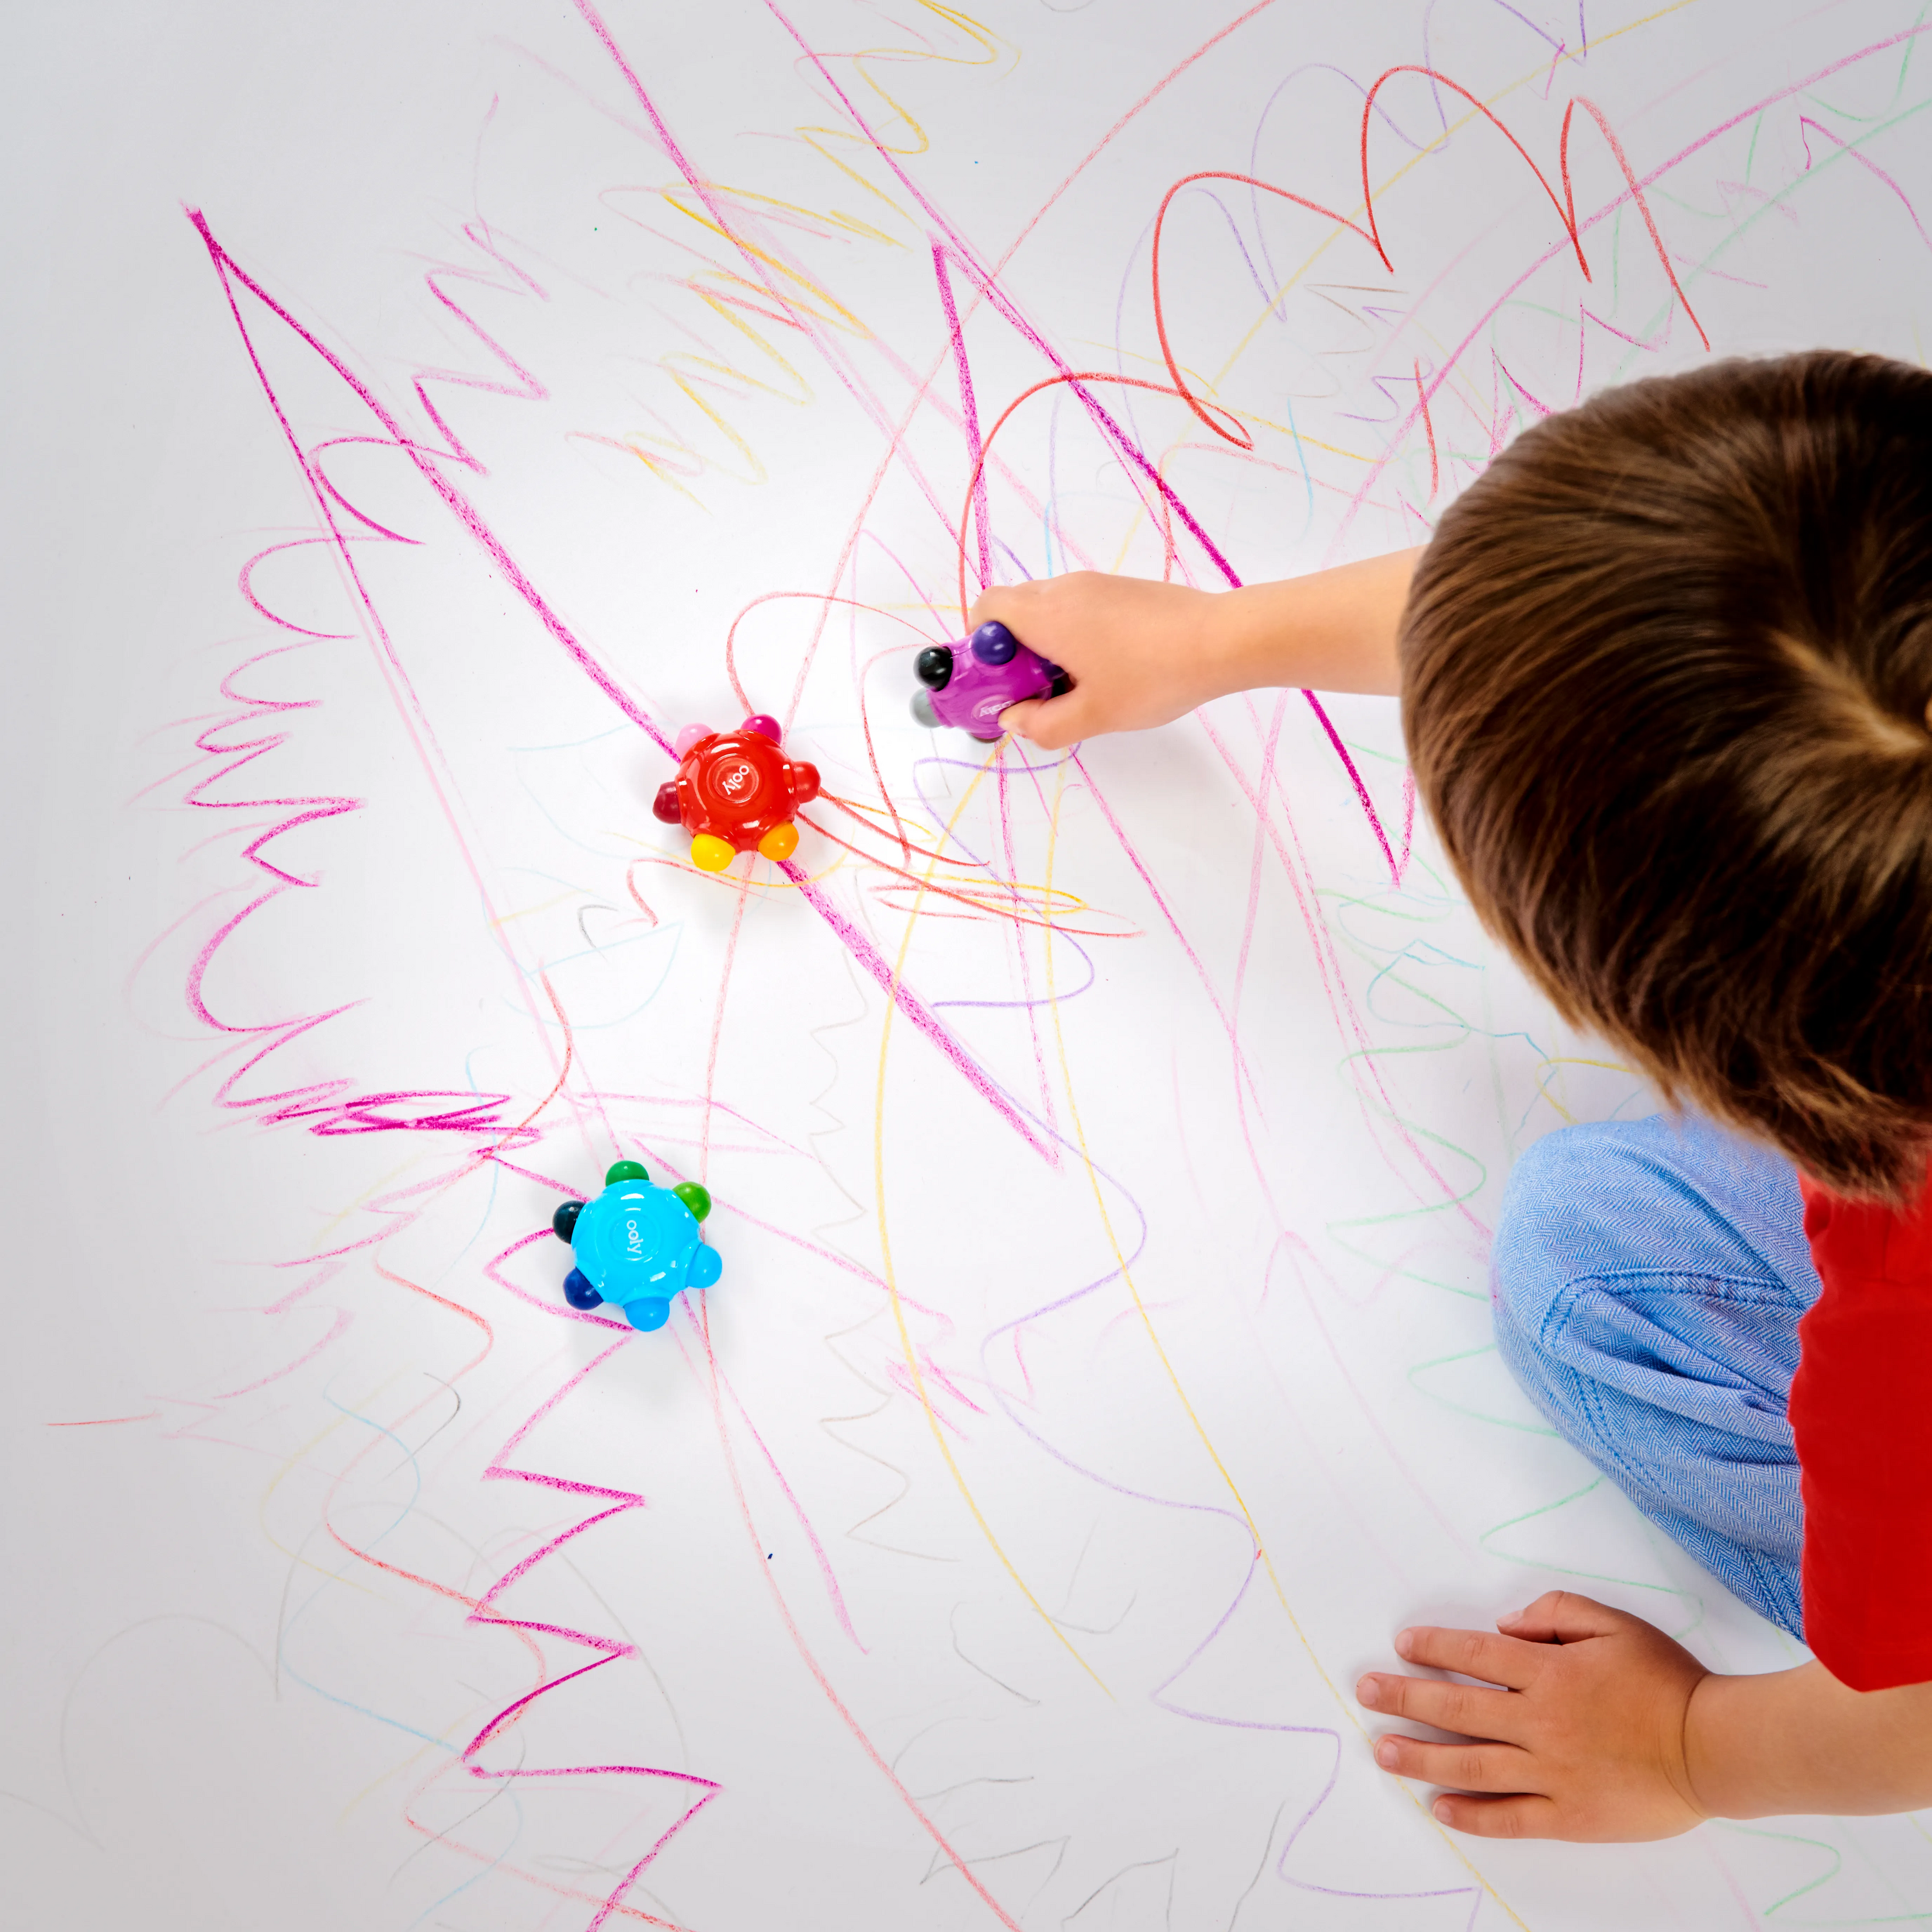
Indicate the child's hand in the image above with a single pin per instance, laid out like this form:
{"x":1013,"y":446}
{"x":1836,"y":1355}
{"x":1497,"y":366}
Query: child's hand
{"x":1586,"y":1742}
{"x":1140,"y":653}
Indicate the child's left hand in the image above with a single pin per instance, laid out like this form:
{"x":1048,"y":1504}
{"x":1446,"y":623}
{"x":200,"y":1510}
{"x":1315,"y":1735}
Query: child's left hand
{"x":1587,"y":1741}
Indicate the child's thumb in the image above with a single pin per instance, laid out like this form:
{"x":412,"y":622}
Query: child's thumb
{"x":1051,"y":723}
{"x":1562,"y":1616}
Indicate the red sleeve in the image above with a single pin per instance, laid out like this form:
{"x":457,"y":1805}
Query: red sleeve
{"x":1861,"y":1412}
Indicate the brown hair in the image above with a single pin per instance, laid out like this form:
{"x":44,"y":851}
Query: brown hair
{"x":1666,"y":668}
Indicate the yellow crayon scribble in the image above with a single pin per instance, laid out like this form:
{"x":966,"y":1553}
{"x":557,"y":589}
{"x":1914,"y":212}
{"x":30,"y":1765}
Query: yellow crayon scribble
{"x":1347,"y":1709}
{"x":907,"y":1349}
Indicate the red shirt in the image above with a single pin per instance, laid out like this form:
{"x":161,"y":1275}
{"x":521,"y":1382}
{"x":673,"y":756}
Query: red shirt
{"x":1862,"y":1411}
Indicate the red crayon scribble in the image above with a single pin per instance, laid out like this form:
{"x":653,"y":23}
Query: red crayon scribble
{"x":1079,"y":378}
{"x":1434,"y":475}
{"x":426,"y":462}
{"x":1238,"y":435}
{"x":915,"y":1009}
{"x":859,"y":1735}
{"x":1564,"y":207}
{"x":1807,"y":126}
{"x":977,"y":513}
{"x":960,"y":254}
{"x":428,"y":1110}
{"x":481,"y":1608}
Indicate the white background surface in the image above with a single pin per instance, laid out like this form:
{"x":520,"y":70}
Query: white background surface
{"x":944,"y":1596}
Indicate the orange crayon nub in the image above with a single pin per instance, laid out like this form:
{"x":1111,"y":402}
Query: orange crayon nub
{"x":736,"y":791}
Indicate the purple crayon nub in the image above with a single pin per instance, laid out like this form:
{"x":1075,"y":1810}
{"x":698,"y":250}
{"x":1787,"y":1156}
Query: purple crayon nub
{"x":967,"y":685}
{"x":994,"y":644}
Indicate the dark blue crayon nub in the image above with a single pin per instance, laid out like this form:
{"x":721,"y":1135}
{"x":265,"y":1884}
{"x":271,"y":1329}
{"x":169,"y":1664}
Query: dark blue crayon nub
{"x":578,"y":1290}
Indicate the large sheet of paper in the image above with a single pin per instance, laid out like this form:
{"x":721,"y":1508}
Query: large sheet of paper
{"x":421,"y":415}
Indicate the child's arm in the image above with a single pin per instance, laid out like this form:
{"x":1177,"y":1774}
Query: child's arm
{"x":1609,"y":1731}
{"x":1141,"y":653}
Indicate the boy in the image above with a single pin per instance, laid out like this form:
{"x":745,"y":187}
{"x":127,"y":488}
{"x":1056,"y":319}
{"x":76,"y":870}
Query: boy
{"x":1665,"y":671}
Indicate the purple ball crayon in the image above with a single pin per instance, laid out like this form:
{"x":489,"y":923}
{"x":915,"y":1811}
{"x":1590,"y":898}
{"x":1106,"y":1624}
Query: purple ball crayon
{"x":968,"y":685}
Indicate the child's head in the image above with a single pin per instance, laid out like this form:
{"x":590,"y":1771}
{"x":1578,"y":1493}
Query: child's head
{"x":1665,"y":669}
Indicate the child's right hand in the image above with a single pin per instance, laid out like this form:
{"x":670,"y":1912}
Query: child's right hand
{"x":1140,"y":653}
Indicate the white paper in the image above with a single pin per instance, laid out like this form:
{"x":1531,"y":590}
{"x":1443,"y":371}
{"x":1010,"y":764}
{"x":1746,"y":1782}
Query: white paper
{"x":406,"y":405}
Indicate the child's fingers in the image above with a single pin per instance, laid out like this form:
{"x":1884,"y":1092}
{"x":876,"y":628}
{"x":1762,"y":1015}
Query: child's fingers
{"x":1051,"y":723}
{"x":1520,"y":1816}
{"x":1562,"y":1616}
{"x":1449,"y":1707}
{"x":1004,"y":603}
{"x":1485,"y":1767}
{"x":1018,"y":718}
{"x":1496,"y":1659}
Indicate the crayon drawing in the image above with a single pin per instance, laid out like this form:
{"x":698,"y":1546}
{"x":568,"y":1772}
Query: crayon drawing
{"x":1102,"y":1147}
